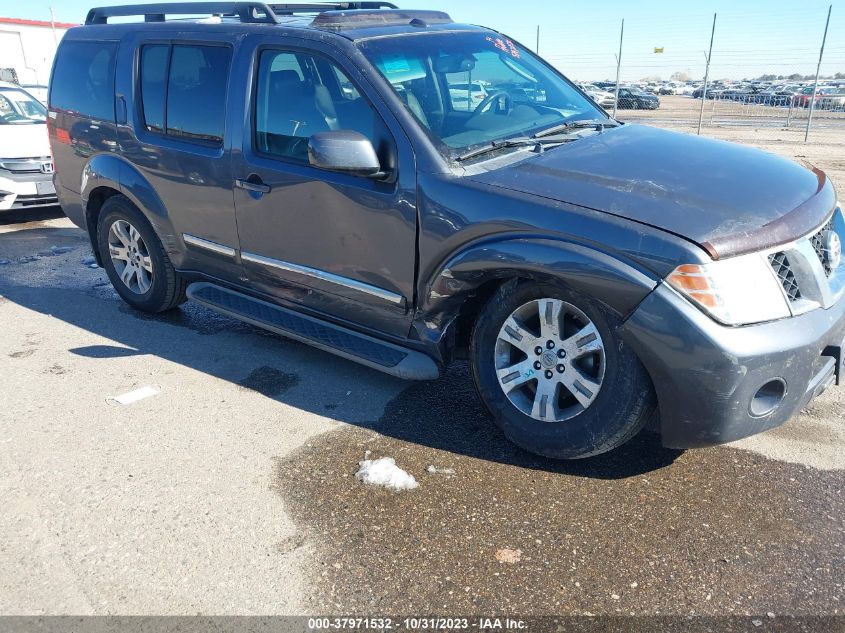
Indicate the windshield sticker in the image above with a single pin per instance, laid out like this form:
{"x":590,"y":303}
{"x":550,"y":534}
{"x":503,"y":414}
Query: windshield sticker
{"x":396,"y":64}
{"x":504,"y":45}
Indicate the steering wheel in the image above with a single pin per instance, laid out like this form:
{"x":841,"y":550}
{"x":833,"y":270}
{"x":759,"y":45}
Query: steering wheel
{"x":489,"y":99}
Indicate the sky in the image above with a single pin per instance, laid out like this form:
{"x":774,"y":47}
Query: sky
{"x":753,"y":37}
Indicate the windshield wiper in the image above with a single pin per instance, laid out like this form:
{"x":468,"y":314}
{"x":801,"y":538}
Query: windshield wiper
{"x":520,"y":141}
{"x":571,"y":126}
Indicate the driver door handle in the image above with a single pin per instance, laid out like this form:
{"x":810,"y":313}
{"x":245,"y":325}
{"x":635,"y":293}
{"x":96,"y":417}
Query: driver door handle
{"x":251,"y":185}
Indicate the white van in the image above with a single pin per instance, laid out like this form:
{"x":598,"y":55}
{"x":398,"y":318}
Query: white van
{"x":26,"y":167}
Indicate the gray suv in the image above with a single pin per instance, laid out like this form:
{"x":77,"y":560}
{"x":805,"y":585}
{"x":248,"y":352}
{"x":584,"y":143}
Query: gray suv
{"x":315,"y":171}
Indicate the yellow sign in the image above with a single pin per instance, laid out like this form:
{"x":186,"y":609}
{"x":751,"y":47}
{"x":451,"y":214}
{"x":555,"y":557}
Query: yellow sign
{"x":659,"y":50}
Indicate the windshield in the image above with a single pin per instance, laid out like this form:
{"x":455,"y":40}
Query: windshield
{"x":17,"y":107}
{"x":432,"y":74}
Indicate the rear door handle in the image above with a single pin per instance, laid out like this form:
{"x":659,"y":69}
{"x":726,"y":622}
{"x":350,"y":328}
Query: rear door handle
{"x":249,"y":185}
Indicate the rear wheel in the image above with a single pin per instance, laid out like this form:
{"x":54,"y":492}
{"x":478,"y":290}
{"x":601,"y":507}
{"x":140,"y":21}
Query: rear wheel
{"x":135,"y":260}
{"x":554,"y":375}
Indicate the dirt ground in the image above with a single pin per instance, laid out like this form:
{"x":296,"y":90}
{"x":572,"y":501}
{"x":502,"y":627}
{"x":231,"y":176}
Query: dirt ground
{"x":232,"y":490}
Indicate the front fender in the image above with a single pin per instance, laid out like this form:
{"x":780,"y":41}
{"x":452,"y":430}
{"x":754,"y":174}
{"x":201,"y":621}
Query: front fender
{"x":618,"y":285}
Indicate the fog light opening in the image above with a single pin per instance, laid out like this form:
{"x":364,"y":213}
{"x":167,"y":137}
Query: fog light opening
{"x":768,"y":398}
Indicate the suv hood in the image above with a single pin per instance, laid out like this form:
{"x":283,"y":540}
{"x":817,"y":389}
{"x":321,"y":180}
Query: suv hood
{"x":729,"y":199}
{"x":27,"y":140}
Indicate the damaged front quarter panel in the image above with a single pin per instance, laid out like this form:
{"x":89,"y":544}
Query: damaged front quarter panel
{"x":617,"y":285}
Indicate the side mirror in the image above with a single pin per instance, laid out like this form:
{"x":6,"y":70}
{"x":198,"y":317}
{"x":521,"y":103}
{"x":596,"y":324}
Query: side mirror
{"x":344,"y":151}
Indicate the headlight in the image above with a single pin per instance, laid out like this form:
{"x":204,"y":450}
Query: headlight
{"x":736,"y":291}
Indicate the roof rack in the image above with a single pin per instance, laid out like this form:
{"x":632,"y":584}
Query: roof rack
{"x":291,"y":8}
{"x":363,"y":19}
{"x":253,"y":12}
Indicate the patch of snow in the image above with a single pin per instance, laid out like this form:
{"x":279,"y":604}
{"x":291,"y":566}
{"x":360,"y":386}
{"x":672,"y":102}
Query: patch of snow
{"x":89,"y":260}
{"x":61,"y":250}
{"x":4,"y":262}
{"x":385,"y":473}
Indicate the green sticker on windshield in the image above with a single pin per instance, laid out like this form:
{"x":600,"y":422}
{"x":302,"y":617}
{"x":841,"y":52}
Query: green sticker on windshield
{"x":395,"y":64}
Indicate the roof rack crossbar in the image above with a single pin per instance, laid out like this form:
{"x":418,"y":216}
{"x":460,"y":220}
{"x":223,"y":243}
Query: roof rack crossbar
{"x":253,"y":12}
{"x":291,"y":8}
{"x":391,"y":17}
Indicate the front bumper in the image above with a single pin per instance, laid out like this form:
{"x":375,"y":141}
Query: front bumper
{"x":707,"y":375}
{"x":26,"y":190}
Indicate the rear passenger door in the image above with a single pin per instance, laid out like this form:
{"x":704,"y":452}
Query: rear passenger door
{"x":176,"y":136}
{"x":338,"y":244}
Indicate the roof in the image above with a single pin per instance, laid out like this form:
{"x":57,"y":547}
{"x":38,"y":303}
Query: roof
{"x":351,"y":20}
{"x":287,"y":27}
{"x":42,"y":23}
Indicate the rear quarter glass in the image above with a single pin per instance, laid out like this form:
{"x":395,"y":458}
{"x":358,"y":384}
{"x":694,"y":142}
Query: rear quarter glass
{"x":83,"y":79}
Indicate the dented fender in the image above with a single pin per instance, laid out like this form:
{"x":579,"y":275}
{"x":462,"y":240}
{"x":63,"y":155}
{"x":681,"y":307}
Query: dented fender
{"x":619,"y":285}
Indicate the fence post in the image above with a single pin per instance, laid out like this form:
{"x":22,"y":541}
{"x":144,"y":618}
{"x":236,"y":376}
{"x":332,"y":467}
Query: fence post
{"x":818,"y":70}
{"x":706,"y":76}
{"x":618,"y":69}
{"x":789,"y":114}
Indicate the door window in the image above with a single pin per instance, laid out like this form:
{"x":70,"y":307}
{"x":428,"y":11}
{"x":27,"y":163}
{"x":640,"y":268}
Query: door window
{"x":299,"y":95}
{"x":183,"y":90}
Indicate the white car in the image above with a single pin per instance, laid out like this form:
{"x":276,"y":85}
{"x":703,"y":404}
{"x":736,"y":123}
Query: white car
{"x":26,"y":167}
{"x":602,"y":97}
{"x":467,"y":96}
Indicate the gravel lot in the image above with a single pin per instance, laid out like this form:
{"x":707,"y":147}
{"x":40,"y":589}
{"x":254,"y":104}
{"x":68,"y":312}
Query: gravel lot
{"x":232,"y":490}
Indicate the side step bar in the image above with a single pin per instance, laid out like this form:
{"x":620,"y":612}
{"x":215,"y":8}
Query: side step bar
{"x":386,"y":357}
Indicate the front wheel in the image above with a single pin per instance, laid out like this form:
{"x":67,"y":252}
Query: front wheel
{"x":553,"y":373}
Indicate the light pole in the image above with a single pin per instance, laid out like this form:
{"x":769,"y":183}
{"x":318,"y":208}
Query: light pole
{"x":706,"y":76}
{"x":618,"y":69}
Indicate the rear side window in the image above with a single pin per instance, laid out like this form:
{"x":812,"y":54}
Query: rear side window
{"x":83,"y":79}
{"x":183,"y":90}
{"x":154,"y":60}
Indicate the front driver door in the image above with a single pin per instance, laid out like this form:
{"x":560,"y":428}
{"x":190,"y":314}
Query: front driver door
{"x":341,"y":245}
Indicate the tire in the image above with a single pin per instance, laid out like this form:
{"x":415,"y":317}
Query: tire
{"x":625,"y":399}
{"x":157,"y":287}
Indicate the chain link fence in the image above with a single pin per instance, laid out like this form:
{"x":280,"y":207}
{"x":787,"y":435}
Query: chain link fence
{"x":706,"y":74}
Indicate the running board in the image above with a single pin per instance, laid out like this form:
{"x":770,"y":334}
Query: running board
{"x":385,"y":357}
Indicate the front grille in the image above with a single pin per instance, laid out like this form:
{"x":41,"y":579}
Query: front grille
{"x":783,"y":269}
{"x":24,"y":165}
{"x":819,"y":245}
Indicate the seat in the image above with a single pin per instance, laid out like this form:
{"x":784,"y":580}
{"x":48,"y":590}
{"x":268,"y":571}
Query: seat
{"x":293,"y":109}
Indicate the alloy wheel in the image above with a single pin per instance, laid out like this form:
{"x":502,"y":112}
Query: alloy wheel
{"x":130,"y":257}
{"x":550,"y":360}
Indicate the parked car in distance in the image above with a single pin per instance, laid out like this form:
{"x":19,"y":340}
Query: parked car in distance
{"x":603,"y":98}
{"x":833,"y":99}
{"x":805,"y":96}
{"x":26,"y":168}
{"x":467,"y":96}
{"x":636,"y":99}
{"x":675,"y":88}
{"x":311,"y":175}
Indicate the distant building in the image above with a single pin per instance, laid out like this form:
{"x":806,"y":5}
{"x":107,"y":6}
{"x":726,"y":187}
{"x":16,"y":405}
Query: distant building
{"x":27,"y":48}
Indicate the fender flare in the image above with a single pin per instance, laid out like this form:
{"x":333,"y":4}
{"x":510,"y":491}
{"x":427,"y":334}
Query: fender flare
{"x":109,"y":170}
{"x":619,"y":285}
